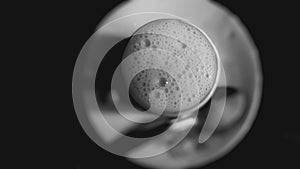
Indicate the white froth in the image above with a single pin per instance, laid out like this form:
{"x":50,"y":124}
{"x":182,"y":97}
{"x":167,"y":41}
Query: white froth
{"x":175,"y":50}
{"x":188,"y":35}
{"x":149,"y":66}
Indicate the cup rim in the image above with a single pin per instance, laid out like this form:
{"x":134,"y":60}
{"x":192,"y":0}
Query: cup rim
{"x":217,"y":77}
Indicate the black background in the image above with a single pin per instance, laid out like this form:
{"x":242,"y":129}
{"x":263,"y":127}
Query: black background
{"x":56,"y":32}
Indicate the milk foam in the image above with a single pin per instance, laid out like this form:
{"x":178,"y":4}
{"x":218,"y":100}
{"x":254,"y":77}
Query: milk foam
{"x":174,"y":57}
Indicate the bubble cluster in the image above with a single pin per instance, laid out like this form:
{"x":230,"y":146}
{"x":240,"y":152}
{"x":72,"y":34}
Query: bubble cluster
{"x":174,"y":57}
{"x":149,"y":86}
{"x":170,"y":76}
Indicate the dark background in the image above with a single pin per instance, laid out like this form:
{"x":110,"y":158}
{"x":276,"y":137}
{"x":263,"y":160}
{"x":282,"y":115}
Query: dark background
{"x":53,"y":33}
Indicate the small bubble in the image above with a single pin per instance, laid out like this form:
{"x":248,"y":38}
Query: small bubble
{"x":179,"y":75}
{"x":162,"y":82}
{"x":189,"y":99}
{"x":157,"y":95}
{"x":147,"y":42}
